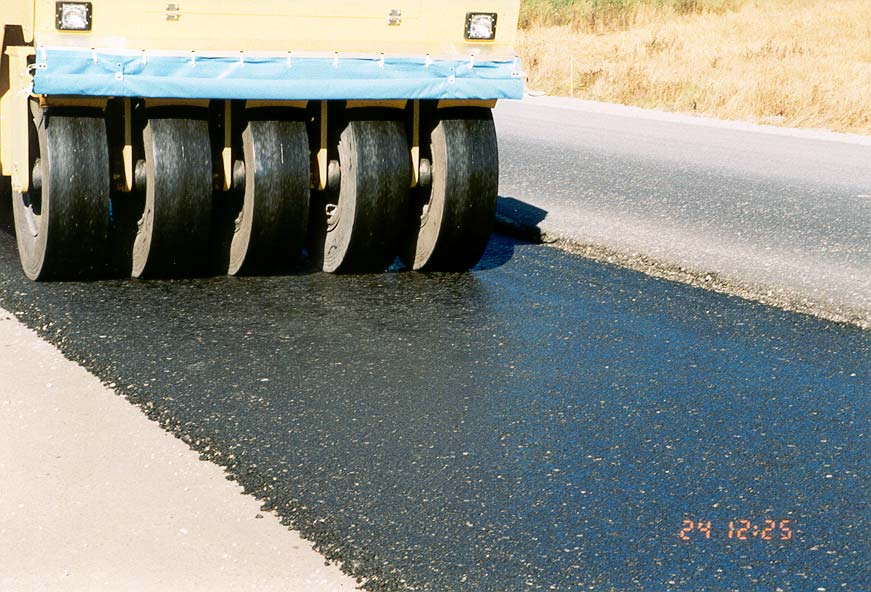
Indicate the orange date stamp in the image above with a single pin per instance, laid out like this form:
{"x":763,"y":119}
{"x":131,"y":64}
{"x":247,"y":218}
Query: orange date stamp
{"x":739,"y":530}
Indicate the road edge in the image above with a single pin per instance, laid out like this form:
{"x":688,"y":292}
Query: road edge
{"x":661,"y":269}
{"x":100,"y":482}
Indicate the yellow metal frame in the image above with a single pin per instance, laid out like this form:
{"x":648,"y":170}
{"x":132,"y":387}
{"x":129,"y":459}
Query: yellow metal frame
{"x":293,"y":27}
{"x":15,"y":107}
{"x":149,"y":103}
{"x":275,"y":25}
{"x":400,"y":104}
{"x":449,"y":103}
{"x":287,"y":104}
{"x":227,"y":150}
{"x":89,"y":102}
{"x":323,"y":163}
{"x":127,"y":150}
{"x":18,"y":13}
{"x":415,"y":144}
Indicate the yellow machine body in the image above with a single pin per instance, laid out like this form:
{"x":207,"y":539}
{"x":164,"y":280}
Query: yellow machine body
{"x":281,"y":25}
{"x":237,"y":135}
{"x":344,"y":34}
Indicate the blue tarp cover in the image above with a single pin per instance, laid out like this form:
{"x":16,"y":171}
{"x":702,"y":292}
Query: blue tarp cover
{"x":64,"y":71}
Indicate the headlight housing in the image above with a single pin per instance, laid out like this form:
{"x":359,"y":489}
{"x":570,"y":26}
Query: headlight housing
{"x":481,"y":26}
{"x":73,"y":16}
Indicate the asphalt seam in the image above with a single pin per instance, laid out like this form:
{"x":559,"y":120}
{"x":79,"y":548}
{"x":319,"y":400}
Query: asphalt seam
{"x":690,"y":276}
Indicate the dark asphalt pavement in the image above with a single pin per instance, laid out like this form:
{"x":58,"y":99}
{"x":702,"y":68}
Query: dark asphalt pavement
{"x":781,"y":216}
{"x":543,"y":423}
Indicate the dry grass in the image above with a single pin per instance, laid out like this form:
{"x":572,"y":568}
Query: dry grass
{"x":598,"y":16}
{"x":786,"y":62}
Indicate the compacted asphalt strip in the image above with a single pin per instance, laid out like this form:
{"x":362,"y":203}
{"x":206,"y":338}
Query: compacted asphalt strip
{"x":541,"y":423}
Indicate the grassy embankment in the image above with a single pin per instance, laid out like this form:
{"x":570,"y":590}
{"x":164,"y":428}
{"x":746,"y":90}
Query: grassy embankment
{"x":784,"y":62}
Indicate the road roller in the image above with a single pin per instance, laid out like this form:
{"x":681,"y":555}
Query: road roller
{"x":176,"y":139}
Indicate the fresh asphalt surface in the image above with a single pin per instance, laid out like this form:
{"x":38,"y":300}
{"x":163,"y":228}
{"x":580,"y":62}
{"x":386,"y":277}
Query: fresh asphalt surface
{"x":542,"y":423}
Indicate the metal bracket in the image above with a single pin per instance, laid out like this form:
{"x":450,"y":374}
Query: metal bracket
{"x":415,"y":144}
{"x":257,"y":104}
{"x":21,"y":86}
{"x":322,"y":150}
{"x":227,"y":152}
{"x":150,"y":103}
{"x":127,"y":150}
{"x":376,"y":104}
{"x":450,"y":103}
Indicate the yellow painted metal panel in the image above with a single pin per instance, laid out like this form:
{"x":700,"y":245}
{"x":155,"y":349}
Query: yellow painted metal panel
{"x":13,"y":13}
{"x":415,"y":145}
{"x":322,"y":149}
{"x":347,"y":26}
{"x":15,"y":107}
{"x":17,"y":13}
{"x":5,"y":139}
{"x":227,"y":151}
{"x":89,"y":102}
{"x":5,"y":134}
{"x":448,"y":103}
{"x":287,"y":104}
{"x":127,"y":150}
{"x":384,"y":104}
{"x":204,"y":103}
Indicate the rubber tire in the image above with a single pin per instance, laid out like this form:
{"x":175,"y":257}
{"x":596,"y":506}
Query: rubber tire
{"x":173,"y":235}
{"x":270,"y":229}
{"x":67,"y":238}
{"x":454,"y":231}
{"x":373,"y":198}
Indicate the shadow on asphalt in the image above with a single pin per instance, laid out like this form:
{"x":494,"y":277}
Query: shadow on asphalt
{"x":519,"y":219}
